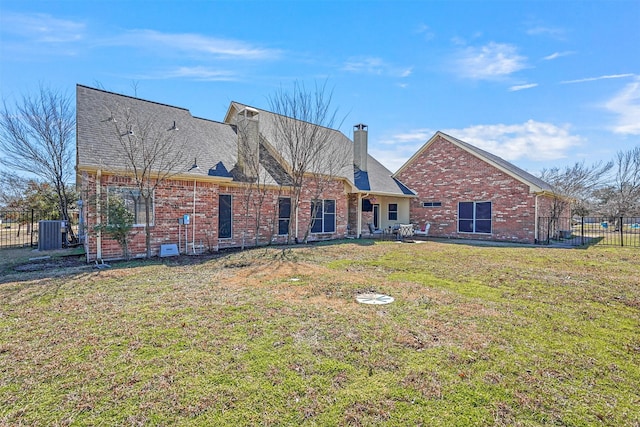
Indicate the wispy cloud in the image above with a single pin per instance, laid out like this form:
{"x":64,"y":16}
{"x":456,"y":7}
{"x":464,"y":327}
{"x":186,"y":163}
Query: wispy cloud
{"x":376,"y":66}
{"x":196,"y":73}
{"x":426,"y":32}
{"x":41,"y":28}
{"x":522,"y":87}
{"x":488,"y":62}
{"x":557,"y":55}
{"x":194,"y":43}
{"x":626,"y":104}
{"x":542,"y":30}
{"x":593,"y":79}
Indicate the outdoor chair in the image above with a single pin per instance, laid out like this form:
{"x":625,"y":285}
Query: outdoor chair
{"x":406,"y":230}
{"x":424,"y":231}
{"x":375,"y":231}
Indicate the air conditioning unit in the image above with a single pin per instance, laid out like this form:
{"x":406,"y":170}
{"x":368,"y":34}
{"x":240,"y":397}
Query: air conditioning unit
{"x":50,"y":234}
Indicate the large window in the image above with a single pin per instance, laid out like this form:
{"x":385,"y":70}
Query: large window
{"x":324,"y":220}
{"x":133,"y":201}
{"x":393,"y":211}
{"x":284,"y":215}
{"x":224,"y":216}
{"x":474,"y":217}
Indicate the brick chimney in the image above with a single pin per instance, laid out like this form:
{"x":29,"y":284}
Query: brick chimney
{"x":360,"y":149}
{"x":248,"y":141}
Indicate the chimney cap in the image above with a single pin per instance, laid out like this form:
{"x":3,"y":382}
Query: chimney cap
{"x":360,"y":126}
{"x":249,"y":112}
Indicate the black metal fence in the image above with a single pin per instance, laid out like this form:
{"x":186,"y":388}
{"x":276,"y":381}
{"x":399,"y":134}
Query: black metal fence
{"x":579,"y":231}
{"x":20,"y":228}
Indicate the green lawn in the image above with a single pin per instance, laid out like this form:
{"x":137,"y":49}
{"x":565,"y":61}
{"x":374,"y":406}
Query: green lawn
{"x":477,"y":335}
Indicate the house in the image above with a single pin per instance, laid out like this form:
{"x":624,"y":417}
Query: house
{"x":466,"y":192}
{"x":215,"y":185}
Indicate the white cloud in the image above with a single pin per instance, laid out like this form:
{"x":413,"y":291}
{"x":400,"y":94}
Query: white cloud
{"x":593,"y":79}
{"x":393,"y":151}
{"x":194,"y":43}
{"x":492,"y":61}
{"x":541,"y":30}
{"x":532,"y":140}
{"x":626,"y":104}
{"x":41,"y":28}
{"x":376,"y":66}
{"x":557,"y":55}
{"x":199,"y":73}
{"x":425,"y":31}
{"x":522,"y":87}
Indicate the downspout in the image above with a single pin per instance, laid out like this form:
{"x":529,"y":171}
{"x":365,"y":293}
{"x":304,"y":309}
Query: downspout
{"x":359,"y":210}
{"x":98,"y":214}
{"x":535,"y":233}
{"x":193,"y":219}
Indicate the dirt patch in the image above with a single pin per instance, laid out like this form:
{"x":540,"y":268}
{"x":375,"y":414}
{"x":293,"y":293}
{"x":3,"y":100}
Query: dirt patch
{"x":48,"y":264}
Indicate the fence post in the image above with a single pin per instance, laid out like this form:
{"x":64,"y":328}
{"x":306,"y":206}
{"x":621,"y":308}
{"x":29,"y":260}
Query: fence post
{"x":31,"y":227}
{"x":621,"y":232}
{"x":581,"y":231}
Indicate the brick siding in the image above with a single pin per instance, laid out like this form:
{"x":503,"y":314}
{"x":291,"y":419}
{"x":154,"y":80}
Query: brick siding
{"x":175,"y":198}
{"x":445,"y":173}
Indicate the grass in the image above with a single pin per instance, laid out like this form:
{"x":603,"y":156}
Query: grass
{"x":477,"y":335}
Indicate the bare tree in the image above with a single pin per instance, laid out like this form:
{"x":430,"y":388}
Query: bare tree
{"x":151,"y":152}
{"x":37,"y":137}
{"x":12,"y":191}
{"x":303,"y":125}
{"x":573,"y":191}
{"x":621,"y":197}
{"x":574,"y":186}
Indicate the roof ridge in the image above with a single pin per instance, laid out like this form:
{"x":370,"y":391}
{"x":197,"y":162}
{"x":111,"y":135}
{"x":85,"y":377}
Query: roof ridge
{"x":134,"y":98}
{"x":288,"y":117}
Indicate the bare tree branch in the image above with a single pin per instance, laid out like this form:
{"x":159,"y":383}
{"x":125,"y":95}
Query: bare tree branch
{"x":37,"y":137}
{"x":304,"y":122}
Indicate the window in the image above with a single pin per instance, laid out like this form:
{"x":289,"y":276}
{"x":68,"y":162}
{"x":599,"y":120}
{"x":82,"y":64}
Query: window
{"x":474,"y":217}
{"x":284,"y":215}
{"x":431,"y":204}
{"x":224,"y":216}
{"x":133,"y":201}
{"x":393,"y":211}
{"x":324,"y":220}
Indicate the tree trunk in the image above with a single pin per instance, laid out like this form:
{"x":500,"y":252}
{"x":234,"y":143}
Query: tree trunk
{"x":147,"y":224}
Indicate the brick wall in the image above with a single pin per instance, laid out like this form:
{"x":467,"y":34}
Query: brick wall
{"x":175,"y":198}
{"x":448,"y":174}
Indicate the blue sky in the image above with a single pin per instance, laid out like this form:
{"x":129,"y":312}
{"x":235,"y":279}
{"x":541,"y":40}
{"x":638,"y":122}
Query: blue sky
{"x":539,"y":83}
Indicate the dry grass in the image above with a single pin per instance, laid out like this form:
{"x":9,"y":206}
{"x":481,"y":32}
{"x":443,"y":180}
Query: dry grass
{"x":477,"y":336}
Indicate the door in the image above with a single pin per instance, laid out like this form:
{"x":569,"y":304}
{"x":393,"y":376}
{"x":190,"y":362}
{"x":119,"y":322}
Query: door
{"x":376,"y":216}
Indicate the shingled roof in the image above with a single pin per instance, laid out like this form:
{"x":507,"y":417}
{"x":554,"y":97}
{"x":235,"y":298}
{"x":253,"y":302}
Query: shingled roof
{"x":213,"y":144}
{"x":377,"y":179}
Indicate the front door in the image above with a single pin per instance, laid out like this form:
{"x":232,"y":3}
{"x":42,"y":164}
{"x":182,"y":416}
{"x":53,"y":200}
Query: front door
{"x":376,"y":216}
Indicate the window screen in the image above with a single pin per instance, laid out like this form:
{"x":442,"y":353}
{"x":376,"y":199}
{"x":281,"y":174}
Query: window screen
{"x":224,"y":216}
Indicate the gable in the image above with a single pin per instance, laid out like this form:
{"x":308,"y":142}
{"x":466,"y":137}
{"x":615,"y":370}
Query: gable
{"x":535,"y":184}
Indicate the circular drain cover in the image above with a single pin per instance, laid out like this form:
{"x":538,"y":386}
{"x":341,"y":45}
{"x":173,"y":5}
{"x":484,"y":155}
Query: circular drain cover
{"x":374,"y":299}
